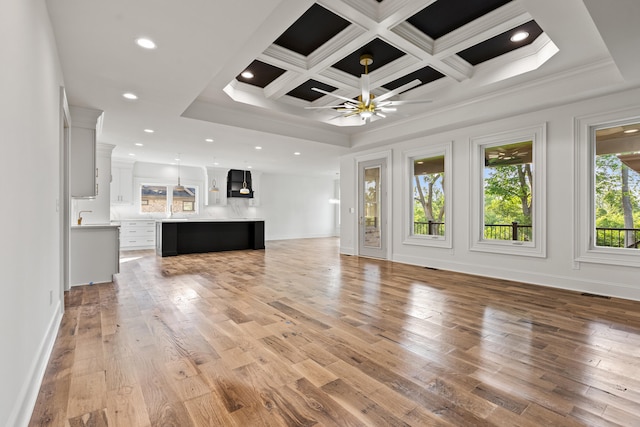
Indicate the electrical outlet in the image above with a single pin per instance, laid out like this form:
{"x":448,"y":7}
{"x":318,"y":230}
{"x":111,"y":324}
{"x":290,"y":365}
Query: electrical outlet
{"x":50,"y":297}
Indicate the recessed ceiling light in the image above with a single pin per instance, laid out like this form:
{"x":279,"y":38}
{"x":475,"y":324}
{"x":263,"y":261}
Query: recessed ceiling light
{"x":258,"y":147}
{"x":149,"y":130}
{"x":145,"y":43}
{"x":631,"y":131}
{"x":130,"y":95}
{"x":177,"y":159}
{"x":247,"y":74}
{"x":249,"y":167}
{"x":132,"y":155}
{"x":139,"y":144}
{"x":216,"y":163}
{"x":209,"y":140}
{"x":296,"y":153}
{"x":519,"y":36}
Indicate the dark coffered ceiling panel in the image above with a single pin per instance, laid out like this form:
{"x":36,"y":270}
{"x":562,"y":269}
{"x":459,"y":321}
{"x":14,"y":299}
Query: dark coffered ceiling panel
{"x":313,"y":29}
{"x":444,"y":16}
{"x":443,"y":42}
{"x":383,"y":53}
{"x":263,"y":74}
{"x":500,"y":44}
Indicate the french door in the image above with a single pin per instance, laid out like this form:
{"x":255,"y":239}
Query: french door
{"x":372,"y":208}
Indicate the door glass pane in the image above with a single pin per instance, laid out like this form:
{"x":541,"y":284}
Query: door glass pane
{"x":372,"y":229}
{"x":153,"y":199}
{"x":428,"y":196}
{"x":508,"y":197}
{"x":617,"y":187}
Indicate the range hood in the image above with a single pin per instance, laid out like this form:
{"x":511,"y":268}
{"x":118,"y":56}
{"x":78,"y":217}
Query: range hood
{"x":239,"y":184}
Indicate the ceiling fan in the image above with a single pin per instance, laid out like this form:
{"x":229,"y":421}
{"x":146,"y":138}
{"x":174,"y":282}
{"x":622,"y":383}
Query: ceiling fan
{"x":369,"y":107}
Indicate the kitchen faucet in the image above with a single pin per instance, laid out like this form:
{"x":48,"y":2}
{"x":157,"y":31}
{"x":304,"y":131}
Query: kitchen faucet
{"x":80,"y":216}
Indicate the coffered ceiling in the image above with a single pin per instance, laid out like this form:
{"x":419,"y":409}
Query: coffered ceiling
{"x":190,"y":87}
{"x":438,"y":43}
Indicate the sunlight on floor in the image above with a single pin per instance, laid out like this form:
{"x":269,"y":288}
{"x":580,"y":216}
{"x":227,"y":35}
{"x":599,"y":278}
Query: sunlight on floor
{"x":131,"y":258}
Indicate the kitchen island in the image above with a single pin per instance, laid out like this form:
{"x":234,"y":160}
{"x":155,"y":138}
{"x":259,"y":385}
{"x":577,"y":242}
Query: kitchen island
{"x":178,"y":236}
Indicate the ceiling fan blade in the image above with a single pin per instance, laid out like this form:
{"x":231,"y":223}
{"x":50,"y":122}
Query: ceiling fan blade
{"x":324,"y":106}
{"x":344,"y":98}
{"x":364,"y":87}
{"x":379,"y":114}
{"x":387,"y":109}
{"x":410,"y":101}
{"x":398,"y":90}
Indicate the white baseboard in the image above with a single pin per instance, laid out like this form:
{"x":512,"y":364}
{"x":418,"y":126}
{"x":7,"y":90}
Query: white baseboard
{"x":617,"y":290}
{"x":296,"y":236}
{"x":347,"y":250}
{"x":21,"y":413}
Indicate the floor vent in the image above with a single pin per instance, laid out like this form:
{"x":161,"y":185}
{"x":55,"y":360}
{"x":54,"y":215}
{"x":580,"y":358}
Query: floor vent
{"x":586,"y":294}
{"x":431,"y":268}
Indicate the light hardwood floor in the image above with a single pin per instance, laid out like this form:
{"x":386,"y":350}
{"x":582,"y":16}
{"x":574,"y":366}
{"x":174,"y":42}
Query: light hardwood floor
{"x":297,"y":335}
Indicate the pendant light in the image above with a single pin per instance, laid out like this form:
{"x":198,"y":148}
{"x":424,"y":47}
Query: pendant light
{"x":214,"y":188}
{"x":178,"y":187}
{"x":244,"y":189}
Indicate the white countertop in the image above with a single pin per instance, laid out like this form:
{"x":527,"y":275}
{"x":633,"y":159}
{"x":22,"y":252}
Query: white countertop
{"x":93,"y":226}
{"x":210,"y":220}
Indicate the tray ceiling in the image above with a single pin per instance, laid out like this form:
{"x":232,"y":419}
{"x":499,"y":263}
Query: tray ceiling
{"x":437,"y":42}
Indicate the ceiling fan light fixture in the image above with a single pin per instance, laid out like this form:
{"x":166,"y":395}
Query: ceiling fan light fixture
{"x":367,"y":104}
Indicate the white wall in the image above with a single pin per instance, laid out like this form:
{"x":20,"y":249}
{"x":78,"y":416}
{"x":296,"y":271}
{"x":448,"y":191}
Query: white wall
{"x":295,"y":207}
{"x":558,"y":269}
{"x":30,"y":81}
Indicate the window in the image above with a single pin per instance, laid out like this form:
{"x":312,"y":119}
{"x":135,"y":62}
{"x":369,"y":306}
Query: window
{"x":508,"y":180}
{"x":428,"y":196}
{"x":608,"y":190}
{"x":153,"y":199}
{"x":508,"y":202}
{"x":183,"y":199}
{"x":167,"y":199}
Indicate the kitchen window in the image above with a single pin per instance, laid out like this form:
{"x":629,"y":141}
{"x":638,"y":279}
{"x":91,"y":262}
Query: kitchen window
{"x":168,"y":199}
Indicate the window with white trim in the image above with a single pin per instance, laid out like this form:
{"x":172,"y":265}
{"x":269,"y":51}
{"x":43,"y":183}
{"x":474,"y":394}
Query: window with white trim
{"x":428,"y":196}
{"x":608,"y":188}
{"x":508,"y":196}
{"x":168,"y":199}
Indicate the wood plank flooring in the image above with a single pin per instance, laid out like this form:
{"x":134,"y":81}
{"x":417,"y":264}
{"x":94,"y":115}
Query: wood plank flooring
{"x":298,"y":335}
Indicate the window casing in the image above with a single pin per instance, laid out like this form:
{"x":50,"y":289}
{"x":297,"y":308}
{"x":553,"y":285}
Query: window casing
{"x":607,"y":188}
{"x":427,"y":196}
{"x":508,"y":190}
{"x":165,"y":199}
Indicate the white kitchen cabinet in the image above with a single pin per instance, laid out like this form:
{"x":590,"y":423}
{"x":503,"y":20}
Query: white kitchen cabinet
{"x":137,"y":234}
{"x":85,"y":123}
{"x":94,"y":254}
{"x":121,"y":184}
